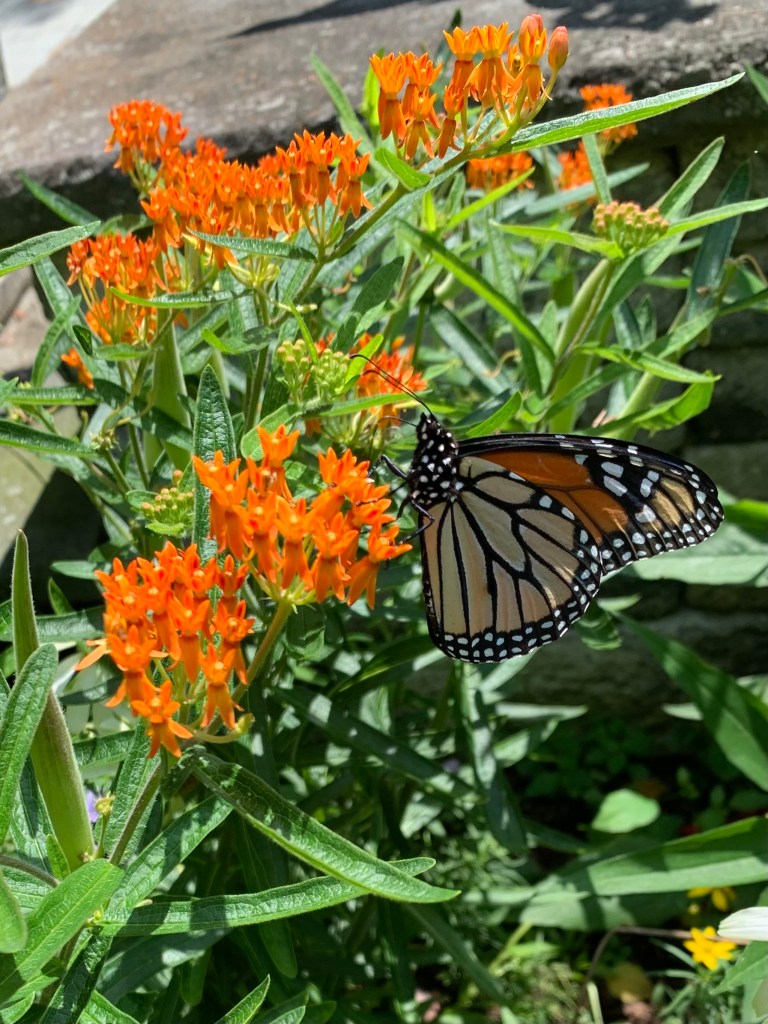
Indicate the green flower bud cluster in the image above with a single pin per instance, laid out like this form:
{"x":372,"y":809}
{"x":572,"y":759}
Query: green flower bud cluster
{"x":628,"y":225}
{"x":170,"y":512}
{"x":321,"y":379}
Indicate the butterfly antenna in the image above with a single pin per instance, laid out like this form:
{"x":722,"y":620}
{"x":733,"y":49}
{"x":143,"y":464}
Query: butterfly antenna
{"x":375,"y":368}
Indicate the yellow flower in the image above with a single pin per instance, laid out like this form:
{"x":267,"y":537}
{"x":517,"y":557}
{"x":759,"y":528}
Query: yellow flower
{"x":707,"y":949}
{"x":721,"y":897}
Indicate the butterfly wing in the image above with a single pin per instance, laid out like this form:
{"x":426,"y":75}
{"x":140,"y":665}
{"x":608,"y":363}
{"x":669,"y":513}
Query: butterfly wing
{"x":635,"y":501}
{"x":506,"y":568}
{"x":515,"y":548}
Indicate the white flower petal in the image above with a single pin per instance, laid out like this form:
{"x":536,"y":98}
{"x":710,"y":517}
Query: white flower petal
{"x":747,"y":925}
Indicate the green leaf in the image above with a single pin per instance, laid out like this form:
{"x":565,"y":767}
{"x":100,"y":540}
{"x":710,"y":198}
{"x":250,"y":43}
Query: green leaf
{"x":734,"y":854}
{"x":434,"y":922}
{"x":19,"y":435}
{"x":58,"y":918}
{"x":234,"y":346}
{"x":13,"y":927}
{"x":736,"y":718}
{"x":574,"y":239}
{"x":101,"y":1011}
{"x":406,"y":175}
{"x":499,"y":419}
{"x":748,"y":968}
{"x":349,"y":122}
{"x":213,"y":431}
{"x":290,"y":1012}
{"x":664,"y":415}
{"x":624,"y":810}
{"x":369,"y":302}
{"x":243,"y":1012}
{"x":34,"y":249}
{"x":244,"y":246}
{"x":19,"y":724}
{"x":706,"y":217}
{"x":305,"y":838}
{"x":173,"y":916}
{"x":696,"y":174}
{"x":529,"y":337}
{"x":759,"y":81}
{"x":348,"y":730}
{"x":135,"y":773}
{"x":69,"y":628}
{"x":643,"y":361}
{"x":67,"y":395}
{"x":597,"y":169}
{"x":716,"y":246}
{"x":78,"y":984}
{"x":474,"y":353}
{"x":68,"y":211}
{"x":170,"y":848}
{"x":567,"y":128}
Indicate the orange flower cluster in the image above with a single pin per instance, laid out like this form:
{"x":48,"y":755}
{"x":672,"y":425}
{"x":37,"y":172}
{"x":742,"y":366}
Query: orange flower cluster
{"x":298,"y":550}
{"x":147,"y":133}
{"x":495,"y":171}
{"x":575,"y":165}
{"x":203,"y":191}
{"x":575,"y":168}
{"x":128,"y":264}
{"x":75,"y":360}
{"x":162,"y":609}
{"x":506,"y":79}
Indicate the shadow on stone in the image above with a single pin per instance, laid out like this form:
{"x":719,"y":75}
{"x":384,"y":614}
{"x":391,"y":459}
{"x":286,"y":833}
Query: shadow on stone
{"x":62,"y":526}
{"x":325,"y":12}
{"x":652,"y":15}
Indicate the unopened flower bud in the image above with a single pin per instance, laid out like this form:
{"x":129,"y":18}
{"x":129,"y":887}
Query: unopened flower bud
{"x":557,"y":54}
{"x":532,"y":38}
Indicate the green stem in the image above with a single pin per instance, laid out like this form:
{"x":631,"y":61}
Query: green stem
{"x":143,"y":801}
{"x":276,"y":626}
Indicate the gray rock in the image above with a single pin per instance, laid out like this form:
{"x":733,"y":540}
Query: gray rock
{"x":241,"y":74}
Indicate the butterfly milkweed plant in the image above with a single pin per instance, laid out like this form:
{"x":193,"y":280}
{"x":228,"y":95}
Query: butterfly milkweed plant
{"x":238,"y":781}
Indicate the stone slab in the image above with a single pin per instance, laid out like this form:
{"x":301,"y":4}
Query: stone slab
{"x":241,"y":74}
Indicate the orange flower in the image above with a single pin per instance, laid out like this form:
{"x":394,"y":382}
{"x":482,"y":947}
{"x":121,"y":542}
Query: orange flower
{"x":233,"y":627}
{"x":332,"y":539}
{"x":144,"y":131}
{"x":454,"y":102}
{"x":575,"y":170}
{"x":75,"y":360}
{"x":133,"y":655}
{"x":422,"y":75}
{"x":532,"y":38}
{"x":158,"y":708}
{"x":261,"y":520}
{"x":463,"y":45}
{"x":217,"y":668}
{"x":488,"y":79}
{"x":294,"y":524}
{"x":190,"y":616}
{"x":351,"y":169}
{"x":228,"y":488}
{"x":558,"y":48}
{"x":390,"y":72}
{"x":495,"y":171}
{"x":363,"y":574}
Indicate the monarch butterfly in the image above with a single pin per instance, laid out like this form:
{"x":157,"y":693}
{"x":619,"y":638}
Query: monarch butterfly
{"x":518,"y":530}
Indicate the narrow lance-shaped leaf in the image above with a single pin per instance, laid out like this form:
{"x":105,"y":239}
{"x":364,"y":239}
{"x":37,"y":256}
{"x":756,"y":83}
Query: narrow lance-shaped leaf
{"x":34,"y":249}
{"x":213,"y":431}
{"x":305,"y":837}
{"x":58,"y":918}
{"x":736,"y":718}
